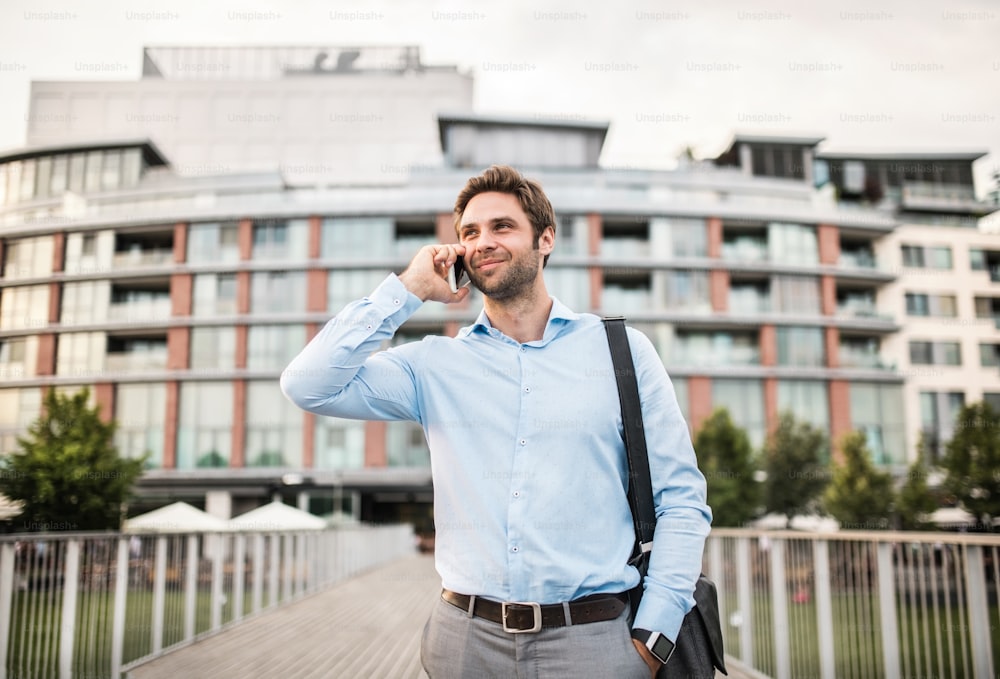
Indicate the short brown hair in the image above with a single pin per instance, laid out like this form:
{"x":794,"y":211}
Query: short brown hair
{"x":505,"y":179}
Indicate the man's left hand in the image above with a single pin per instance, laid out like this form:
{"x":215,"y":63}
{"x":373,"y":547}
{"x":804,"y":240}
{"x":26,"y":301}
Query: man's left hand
{"x":651,"y":660}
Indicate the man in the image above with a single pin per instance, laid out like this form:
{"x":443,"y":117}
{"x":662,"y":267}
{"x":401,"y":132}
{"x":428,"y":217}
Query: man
{"x":522,"y":418}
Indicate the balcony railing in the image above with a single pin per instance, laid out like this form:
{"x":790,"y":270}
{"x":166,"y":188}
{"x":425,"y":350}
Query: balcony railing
{"x":858,"y":604}
{"x":745,"y":251}
{"x":89,"y":605}
{"x":141,"y":311}
{"x":136,"y":361}
{"x":141,"y":258}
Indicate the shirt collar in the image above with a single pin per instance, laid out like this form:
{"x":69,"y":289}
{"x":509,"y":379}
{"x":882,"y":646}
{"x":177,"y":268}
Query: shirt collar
{"x":559,"y":316}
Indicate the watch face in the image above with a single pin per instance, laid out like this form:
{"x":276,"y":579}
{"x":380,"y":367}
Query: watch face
{"x":662,"y":648}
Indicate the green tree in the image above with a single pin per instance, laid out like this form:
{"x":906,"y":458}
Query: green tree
{"x":725,"y":457}
{"x":794,"y":461}
{"x":972,"y":461}
{"x":916,"y":501}
{"x":67,"y":471}
{"x":859,"y":496}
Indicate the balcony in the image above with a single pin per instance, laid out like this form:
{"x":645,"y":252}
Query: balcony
{"x":745,"y":250}
{"x":714,"y":357}
{"x":857,"y":259}
{"x":136,"y":361}
{"x":135,"y":250}
{"x":137,"y":258}
{"x":624,"y":247}
{"x":151,"y":309}
{"x":934,"y":197}
{"x":858,"y":358}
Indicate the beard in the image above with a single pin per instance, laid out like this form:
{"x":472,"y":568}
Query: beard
{"x":518,"y":278}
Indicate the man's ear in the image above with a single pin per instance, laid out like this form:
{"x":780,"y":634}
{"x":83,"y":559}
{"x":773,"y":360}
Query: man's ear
{"x":547,"y":241}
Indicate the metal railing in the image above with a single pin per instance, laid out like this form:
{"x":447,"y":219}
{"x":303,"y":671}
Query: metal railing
{"x":858,"y":604}
{"x":95,"y":605}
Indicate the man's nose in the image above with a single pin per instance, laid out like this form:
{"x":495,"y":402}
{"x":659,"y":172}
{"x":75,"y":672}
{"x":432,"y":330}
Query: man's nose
{"x":485,"y":242}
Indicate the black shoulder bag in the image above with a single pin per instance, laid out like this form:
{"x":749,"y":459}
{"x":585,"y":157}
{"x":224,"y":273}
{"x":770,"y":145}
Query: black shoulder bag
{"x":698,"y":648}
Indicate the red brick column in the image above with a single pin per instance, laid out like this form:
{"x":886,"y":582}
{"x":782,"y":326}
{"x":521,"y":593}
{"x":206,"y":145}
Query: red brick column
{"x":699,"y":400}
{"x":832,"y":341}
{"x":104,"y":396}
{"x":828,"y":292}
{"x":840,"y":415}
{"x":768,"y":345}
{"x":828,"y":241}
{"x":46,"y":364}
{"x":718,"y":289}
{"x":714,"y":225}
{"x":316,"y":290}
{"x":181,"y":285}
{"x":242,"y":292}
{"x":596,"y":287}
{"x":178,"y":348}
{"x":58,"y":251}
{"x":376,"y":454}
{"x":242,"y":333}
{"x":180,"y":242}
{"x":444,"y":227}
{"x":244,"y":239}
{"x":594,"y":231}
{"x":315,"y":235}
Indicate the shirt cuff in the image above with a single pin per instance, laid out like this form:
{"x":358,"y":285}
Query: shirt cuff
{"x":391,"y":297}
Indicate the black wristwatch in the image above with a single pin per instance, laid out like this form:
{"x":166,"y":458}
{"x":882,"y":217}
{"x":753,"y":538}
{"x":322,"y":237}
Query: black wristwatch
{"x":661,"y":647}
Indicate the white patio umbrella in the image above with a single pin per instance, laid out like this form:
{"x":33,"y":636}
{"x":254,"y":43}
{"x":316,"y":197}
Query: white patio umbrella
{"x":179,"y":517}
{"x":276,"y":516}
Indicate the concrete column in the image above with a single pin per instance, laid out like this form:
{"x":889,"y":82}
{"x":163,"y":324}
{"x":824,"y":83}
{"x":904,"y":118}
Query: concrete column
{"x":219,"y":503}
{"x":170,"y":425}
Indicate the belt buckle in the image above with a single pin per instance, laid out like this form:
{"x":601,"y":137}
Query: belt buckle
{"x":536,"y":616}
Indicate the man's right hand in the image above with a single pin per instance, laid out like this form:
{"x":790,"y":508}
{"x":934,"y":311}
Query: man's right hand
{"x":427,"y":274}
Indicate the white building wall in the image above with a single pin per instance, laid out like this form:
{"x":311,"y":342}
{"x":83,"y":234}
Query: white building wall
{"x":344,"y":129}
{"x":970,"y":377}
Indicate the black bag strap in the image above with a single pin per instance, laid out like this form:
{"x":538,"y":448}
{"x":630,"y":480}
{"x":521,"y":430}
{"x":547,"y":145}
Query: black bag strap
{"x":640,"y":487}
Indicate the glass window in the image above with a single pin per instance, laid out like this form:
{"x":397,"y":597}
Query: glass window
{"x":27,"y":189}
{"x":744,"y":399}
{"x":977,"y":259}
{"x":688,"y":237}
{"x":24,"y":307}
{"x":273,"y":427}
{"x":921,"y":353}
{"x":340,"y":444}
{"x":92,"y":175}
{"x":58,"y":181}
{"x":80,"y":354}
{"x":111,"y":170}
{"x":989,"y":354}
{"x":572,"y":233}
{"x":684,"y":290}
{"x":18,"y":409}
{"x":204,"y":424}
{"x":131,"y":167}
{"x":796,"y":294}
{"x":43,"y":180}
{"x":681,"y":392}
{"x":406,"y":445}
{"x":277,"y":291}
{"x":917,"y":304}
{"x":714,"y":349}
{"x":214,"y":295}
{"x":877,"y":411}
{"x":28,"y":258}
{"x":213,"y":349}
{"x":913,"y":256}
{"x":992,"y":399}
{"x":792,"y":244}
{"x":938,"y":411}
{"x":801,"y":346}
{"x":346,"y":286}
{"x":278,"y":239}
{"x":943,"y":305}
{"x":77,"y":172}
{"x":213,"y":242}
{"x":939,"y":257}
{"x":85,"y":302}
{"x":807,"y":400}
{"x":18,"y":357}
{"x":412,"y":234}
{"x":272,"y":347}
{"x":347,"y":238}
{"x":571,"y":286}
{"x":140,"y":410}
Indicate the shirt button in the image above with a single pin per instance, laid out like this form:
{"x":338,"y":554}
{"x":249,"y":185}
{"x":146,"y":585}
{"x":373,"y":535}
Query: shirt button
{"x":396,"y":302}
{"x":524,"y":349}
{"x":524,"y":442}
{"x":516,"y":493}
{"x":527,"y":390}
{"x":368,"y":327}
{"x":515,"y":549}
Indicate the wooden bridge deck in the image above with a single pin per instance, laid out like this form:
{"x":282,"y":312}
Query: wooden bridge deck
{"x":368,"y":626}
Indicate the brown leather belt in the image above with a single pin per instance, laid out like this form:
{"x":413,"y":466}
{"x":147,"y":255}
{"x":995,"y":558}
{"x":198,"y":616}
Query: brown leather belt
{"x":531,"y":617}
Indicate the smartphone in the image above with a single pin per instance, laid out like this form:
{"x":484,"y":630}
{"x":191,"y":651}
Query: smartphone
{"x":456,"y":274}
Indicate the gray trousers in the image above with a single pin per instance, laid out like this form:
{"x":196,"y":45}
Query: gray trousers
{"x":456,"y":645}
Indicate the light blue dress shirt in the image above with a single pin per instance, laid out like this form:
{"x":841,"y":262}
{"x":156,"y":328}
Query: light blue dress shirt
{"x":527,"y":454}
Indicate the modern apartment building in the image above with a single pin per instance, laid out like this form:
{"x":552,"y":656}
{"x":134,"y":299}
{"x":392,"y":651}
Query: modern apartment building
{"x":179,"y":289}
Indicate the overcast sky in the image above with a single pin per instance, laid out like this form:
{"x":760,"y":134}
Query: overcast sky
{"x":904,"y":76}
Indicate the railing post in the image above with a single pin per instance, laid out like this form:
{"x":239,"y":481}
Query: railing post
{"x":979,"y":615}
{"x":744,"y":594}
{"x":118,"y":619}
{"x":67,"y":624}
{"x":275,"y":571}
{"x":6,"y":601}
{"x":288,"y":566}
{"x":716,"y":573}
{"x":191,"y":587}
{"x":779,"y":610}
{"x":159,"y":593}
{"x":824,"y":609}
{"x":239,"y":576}
{"x":217,"y":555}
{"x":887,"y":610}
{"x":258,"y":573}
